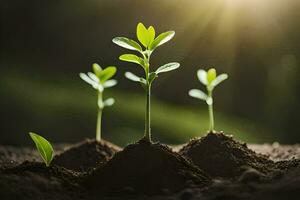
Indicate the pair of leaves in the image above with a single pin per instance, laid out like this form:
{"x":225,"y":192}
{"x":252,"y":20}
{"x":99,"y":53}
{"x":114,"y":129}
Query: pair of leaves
{"x":104,"y":74}
{"x":44,"y":147}
{"x":146,"y":37}
{"x":210,"y":78}
{"x":100,"y":78}
{"x":165,"y":68}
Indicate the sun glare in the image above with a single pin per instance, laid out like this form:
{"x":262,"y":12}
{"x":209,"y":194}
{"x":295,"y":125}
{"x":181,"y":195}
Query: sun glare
{"x":232,"y":20}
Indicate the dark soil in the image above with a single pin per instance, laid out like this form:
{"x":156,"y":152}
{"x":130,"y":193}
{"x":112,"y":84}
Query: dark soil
{"x":222,"y":157}
{"x":151,"y":171}
{"x":86,"y":155}
{"x":146,"y":168}
{"x":32,"y":180}
{"x":11,"y":156}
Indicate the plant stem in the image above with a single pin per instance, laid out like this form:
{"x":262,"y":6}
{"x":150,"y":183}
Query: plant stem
{"x":99,"y":117}
{"x":147,"y":135}
{"x":147,"y":114}
{"x":211,"y":113}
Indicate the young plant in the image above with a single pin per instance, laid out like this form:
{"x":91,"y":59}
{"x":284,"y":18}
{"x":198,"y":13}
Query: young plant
{"x":44,"y":148}
{"x":210,"y":80}
{"x":146,"y":36}
{"x":100,"y":80}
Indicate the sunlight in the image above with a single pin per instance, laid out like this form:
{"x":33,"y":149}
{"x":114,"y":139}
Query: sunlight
{"x":230,"y":21}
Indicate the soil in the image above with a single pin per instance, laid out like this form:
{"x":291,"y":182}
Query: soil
{"x":33,"y":180}
{"x":222,"y":157}
{"x":86,"y":155}
{"x":146,"y":168}
{"x":209,"y":168}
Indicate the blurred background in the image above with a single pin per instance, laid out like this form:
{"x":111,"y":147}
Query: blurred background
{"x":45,"y":44}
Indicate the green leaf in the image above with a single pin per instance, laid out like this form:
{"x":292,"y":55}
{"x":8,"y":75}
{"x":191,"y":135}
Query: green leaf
{"x":211,"y":75}
{"x":109,"y":83}
{"x":44,"y":147}
{"x":135,"y":78}
{"x":107,"y":73}
{"x":151,"y":34}
{"x":152,"y":76}
{"x":219,"y":79}
{"x":88,"y":80}
{"x":93,"y":77}
{"x":97,"y":69}
{"x":198,"y":94}
{"x":161,"y":39}
{"x":127,"y":43}
{"x":167,"y":67}
{"x":142,"y":34}
{"x":132,"y":58}
{"x":108,"y":102}
{"x":202,"y":76}
{"x":132,"y":77}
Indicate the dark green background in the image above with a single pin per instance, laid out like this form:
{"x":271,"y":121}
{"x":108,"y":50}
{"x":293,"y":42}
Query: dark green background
{"x":45,"y":44}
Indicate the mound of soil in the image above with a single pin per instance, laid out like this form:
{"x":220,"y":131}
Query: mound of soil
{"x":86,"y":155}
{"x":32,"y":180}
{"x":221,"y":156}
{"x":146,"y":168}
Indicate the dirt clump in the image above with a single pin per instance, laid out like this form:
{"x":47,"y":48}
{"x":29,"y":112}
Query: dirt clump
{"x":86,"y":155}
{"x":146,"y":168}
{"x":221,"y":156}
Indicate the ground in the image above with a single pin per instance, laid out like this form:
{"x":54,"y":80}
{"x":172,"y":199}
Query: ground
{"x":212,"y":167}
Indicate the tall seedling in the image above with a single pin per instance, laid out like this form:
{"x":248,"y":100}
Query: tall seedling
{"x":100,"y":80}
{"x":146,"y":36}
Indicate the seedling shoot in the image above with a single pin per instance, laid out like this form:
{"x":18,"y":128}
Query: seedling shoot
{"x":146,"y":36}
{"x":100,"y":79}
{"x":210,"y":80}
{"x":44,"y":148}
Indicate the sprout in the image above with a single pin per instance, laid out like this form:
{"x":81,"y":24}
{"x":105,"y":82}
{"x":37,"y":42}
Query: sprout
{"x":44,"y":148}
{"x":210,"y":80}
{"x":146,"y":36}
{"x":100,"y":80}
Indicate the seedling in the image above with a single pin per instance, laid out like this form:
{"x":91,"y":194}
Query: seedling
{"x":146,"y":36}
{"x":210,"y":80}
{"x":44,"y":148}
{"x":100,"y":80}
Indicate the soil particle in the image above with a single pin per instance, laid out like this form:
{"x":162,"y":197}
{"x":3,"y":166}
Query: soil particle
{"x":221,"y":156}
{"x":86,"y":155}
{"x":146,"y":168}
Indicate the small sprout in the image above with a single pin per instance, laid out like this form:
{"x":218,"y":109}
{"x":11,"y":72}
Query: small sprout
{"x":99,"y":80}
{"x":146,"y":36}
{"x":210,"y":80}
{"x":44,"y":148}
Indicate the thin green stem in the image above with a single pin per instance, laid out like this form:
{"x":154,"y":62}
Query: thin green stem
{"x":148,"y":100}
{"x":211,"y":113}
{"x":99,"y":117}
{"x":147,"y":113}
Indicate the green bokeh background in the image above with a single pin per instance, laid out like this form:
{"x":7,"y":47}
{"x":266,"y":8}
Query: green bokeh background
{"x":45,"y":44}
